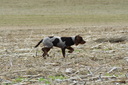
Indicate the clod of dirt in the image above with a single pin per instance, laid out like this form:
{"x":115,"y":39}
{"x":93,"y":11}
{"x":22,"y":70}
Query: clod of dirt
{"x":112,"y":39}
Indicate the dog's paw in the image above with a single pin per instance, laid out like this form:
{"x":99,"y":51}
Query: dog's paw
{"x":70,"y":51}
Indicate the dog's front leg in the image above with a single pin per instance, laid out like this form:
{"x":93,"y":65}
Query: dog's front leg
{"x":70,"y":49}
{"x":63,"y":52}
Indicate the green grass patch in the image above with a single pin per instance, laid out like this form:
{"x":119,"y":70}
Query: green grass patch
{"x":107,"y":49}
{"x":44,"y":80}
{"x":20,"y":79}
{"x":57,"y":77}
{"x":108,"y":74}
{"x":47,"y":80}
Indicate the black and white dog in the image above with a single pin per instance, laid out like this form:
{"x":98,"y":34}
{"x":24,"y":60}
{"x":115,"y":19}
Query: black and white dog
{"x":61,"y":42}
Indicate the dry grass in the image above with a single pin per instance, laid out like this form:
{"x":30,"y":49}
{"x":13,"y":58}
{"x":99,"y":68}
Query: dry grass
{"x":24,"y":22}
{"x":19,"y":65}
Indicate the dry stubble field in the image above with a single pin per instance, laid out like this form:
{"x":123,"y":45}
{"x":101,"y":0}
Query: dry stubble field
{"x":20,"y":65}
{"x":102,"y":60}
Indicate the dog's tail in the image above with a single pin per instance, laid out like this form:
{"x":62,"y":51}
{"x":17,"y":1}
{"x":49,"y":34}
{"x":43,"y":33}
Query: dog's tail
{"x":38,"y":43}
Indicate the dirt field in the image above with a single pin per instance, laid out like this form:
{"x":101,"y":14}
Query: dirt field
{"x":103,"y":60}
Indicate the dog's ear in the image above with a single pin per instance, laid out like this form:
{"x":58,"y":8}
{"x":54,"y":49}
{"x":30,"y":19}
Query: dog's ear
{"x":77,"y":39}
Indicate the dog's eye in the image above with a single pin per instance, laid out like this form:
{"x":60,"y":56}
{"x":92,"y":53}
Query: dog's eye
{"x":81,"y":39}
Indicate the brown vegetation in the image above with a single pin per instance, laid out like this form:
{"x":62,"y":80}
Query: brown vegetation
{"x":91,"y":64}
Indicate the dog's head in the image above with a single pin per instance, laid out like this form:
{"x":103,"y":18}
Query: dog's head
{"x":79,"y":40}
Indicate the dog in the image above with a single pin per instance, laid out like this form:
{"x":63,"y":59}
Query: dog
{"x":61,"y":42}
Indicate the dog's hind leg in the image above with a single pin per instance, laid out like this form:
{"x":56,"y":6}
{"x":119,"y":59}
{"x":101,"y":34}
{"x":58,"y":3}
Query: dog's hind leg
{"x":45,"y":50}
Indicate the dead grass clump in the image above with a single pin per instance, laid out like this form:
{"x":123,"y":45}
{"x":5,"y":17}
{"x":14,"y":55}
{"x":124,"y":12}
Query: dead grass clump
{"x":31,"y":72}
{"x":112,"y":39}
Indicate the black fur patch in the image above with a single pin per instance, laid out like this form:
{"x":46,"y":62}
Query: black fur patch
{"x":55,"y":42}
{"x":68,"y":41}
